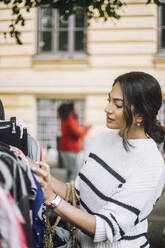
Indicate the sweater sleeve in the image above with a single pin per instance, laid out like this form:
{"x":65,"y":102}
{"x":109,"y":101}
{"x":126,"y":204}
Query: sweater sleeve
{"x":75,"y":129}
{"x":128,"y":207}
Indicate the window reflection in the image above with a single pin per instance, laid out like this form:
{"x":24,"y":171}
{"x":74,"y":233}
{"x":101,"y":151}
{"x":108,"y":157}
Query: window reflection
{"x":63,"y":41}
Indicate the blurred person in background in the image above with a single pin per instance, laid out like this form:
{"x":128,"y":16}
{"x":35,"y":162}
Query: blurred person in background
{"x":71,"y":140}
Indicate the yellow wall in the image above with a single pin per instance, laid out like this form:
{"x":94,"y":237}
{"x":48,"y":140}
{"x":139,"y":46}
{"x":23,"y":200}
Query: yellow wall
{"x":114,"y":47}
{"x":23,"y":107}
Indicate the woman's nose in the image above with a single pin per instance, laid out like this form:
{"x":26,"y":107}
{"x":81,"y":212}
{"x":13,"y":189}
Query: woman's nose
{"x":108,"y":108}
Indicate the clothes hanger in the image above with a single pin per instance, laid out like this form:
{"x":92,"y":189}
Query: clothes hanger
{"x":11,"y":123}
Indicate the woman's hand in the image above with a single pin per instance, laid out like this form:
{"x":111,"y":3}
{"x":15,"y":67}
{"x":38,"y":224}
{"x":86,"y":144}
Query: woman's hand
{"x":44,"y":178}
{"x":51,"y":187}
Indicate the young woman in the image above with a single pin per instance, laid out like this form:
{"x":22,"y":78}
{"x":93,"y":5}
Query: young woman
{"x":124,"y":173}
{"x":70,"y":144}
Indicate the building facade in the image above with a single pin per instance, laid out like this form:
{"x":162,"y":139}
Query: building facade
{"x":62,"y":60}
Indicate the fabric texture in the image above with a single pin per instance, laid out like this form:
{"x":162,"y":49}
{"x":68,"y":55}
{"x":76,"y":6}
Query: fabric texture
{"x":11,"y":231}
{"x":20,"y":191}
{"x":120,"y":189}
{"x":14,"y":139}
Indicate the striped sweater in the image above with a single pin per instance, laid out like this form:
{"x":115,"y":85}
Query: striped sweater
{"x":120,"y":189}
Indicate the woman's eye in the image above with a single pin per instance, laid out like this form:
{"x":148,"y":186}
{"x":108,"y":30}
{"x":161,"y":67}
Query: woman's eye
{"x":119,"y":106}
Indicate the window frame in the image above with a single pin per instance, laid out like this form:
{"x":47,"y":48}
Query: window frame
{"x":160,"y":50}
{"x":54,"y":53}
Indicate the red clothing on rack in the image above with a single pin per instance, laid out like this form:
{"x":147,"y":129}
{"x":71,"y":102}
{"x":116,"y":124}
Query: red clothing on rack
{"x":72,"y":134}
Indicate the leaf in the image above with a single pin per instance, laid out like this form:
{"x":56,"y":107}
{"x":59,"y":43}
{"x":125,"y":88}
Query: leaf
{"x":6,"y":1}
{"x":17,"y":36}
{"x":101,"y":13}
{"x":15,"y":10}
{"x":159,"y":2}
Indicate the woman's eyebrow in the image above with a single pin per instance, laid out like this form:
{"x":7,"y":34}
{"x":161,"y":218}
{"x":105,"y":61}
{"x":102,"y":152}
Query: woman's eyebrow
{"x":118,"y":99}
{"x":115,"y":98}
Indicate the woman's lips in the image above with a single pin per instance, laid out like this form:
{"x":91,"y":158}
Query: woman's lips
{"x":109,"y":119}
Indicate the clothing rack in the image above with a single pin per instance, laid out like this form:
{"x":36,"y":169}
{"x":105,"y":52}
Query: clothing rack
{"x":13,"y":134}
{"x":21,"y":186}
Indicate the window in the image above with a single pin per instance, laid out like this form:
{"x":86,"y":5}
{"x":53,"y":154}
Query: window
{"x":48,"y":126}
{"x":161,"y":30}
{"x":60,"y":37}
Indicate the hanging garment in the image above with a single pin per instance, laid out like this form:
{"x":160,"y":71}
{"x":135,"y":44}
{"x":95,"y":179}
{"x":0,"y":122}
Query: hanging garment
{"x":16,"y":135}
{"x":20,"y":189}
{"x":11,"y":232}
{"x":12,"y":134}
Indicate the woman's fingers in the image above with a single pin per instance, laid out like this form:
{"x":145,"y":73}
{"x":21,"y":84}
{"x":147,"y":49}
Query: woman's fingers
{"x":40,"y":172}
{"x":44,"y":179}
{"x":39,"y":164}
{"x":43,"y":166}
{"x":41,"y":176}
{"x":41,"y":182}
{"x":32,"y":163}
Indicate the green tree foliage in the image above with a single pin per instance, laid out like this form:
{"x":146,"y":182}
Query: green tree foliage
{"x":92,"y":8}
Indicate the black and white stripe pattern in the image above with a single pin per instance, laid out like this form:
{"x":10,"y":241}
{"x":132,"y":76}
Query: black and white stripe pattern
{"x":106,"y":198}
{"x":107,"y":167}
{"x":103,"y":190}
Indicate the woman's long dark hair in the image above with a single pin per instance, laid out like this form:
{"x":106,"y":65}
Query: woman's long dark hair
{"x":142,"y":91}
{"x":2,"y":112}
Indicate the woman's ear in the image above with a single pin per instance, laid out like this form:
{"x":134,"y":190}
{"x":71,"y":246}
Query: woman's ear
{"x":138,"y":120}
